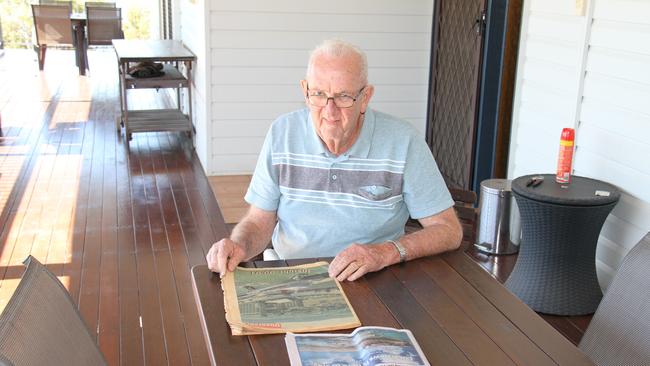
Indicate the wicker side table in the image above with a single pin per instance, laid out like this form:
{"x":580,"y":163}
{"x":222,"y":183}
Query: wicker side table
{"x":555,"y":272}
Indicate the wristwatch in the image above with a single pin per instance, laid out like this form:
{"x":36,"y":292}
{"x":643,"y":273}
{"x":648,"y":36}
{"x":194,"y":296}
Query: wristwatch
{"x":400,"y":249}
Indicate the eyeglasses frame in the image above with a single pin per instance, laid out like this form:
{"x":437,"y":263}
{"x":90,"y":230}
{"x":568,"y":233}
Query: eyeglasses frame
{"x":334,"y":100}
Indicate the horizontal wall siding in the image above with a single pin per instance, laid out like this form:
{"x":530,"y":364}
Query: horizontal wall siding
{"x":259,"y":51}
{"x":547,"y":84}
{"x":193,"y":34}
{"x":595,"y":80}
{"x":614,"y":134}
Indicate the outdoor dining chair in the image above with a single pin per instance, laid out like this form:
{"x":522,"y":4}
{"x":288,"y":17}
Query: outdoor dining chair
{"x":619,"y":332}
{"x":42,"y":326}
{"x":53,"y":27}
{"x":99,"y":3}
{"x":104,"y":24}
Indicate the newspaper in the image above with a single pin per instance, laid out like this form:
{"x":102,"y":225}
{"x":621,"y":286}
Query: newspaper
{"x":366,"y":346}
{"x":285,"y":299}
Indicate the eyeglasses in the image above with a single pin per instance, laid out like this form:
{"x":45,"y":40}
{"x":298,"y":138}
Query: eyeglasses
{"x":319,"y":99}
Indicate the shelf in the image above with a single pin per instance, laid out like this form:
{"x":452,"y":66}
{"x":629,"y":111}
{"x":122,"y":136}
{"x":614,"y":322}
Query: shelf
{"x":158,"y":120}
{"x":173,"y":78}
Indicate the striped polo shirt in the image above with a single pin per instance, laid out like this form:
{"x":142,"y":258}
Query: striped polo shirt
{"x":325,"y":202}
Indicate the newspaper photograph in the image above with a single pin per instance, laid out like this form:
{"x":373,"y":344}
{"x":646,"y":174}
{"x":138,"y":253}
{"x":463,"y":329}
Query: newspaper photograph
{"x":285,"y":299}
{"x":366,"y":346}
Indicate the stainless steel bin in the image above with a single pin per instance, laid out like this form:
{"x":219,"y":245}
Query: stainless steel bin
{"x":498,"y":233}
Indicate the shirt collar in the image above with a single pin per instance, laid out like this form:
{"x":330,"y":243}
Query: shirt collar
{"x":361,"y":147}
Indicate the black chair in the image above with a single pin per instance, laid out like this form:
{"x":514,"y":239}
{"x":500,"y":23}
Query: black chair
{"x":42,"y":326}
{"x":619,"y":332}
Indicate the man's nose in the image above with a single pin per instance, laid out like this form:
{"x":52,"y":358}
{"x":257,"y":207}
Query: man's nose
{"x":331,"y":107}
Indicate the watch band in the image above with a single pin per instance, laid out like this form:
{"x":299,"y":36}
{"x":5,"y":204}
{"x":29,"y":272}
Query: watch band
{"x":400,"y":249}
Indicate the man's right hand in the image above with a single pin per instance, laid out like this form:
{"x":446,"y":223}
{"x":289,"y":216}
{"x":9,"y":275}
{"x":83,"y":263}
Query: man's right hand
{"x":224,"y":256}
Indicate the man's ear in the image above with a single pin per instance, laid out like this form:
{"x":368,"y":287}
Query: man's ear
{"x":303,"y":85}
{"x":368,"y":92}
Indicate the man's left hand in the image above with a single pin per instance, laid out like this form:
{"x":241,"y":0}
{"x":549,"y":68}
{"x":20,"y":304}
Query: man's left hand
{"x":359,"y":259}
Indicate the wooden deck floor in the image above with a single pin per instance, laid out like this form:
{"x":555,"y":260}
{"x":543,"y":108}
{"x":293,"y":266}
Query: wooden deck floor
{"x":121,"y":228}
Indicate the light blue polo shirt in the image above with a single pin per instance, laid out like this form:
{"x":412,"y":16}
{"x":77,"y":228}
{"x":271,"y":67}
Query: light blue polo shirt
{"x":325,"y":203}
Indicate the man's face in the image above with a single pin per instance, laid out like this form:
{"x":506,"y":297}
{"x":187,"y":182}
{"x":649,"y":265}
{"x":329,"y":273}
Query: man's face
{"x":337,"y":76}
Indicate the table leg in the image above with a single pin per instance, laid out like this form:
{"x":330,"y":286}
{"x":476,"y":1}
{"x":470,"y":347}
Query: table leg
{"x":80,"y":48}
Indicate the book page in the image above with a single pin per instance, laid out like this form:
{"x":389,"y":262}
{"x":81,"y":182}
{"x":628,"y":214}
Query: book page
{"x":366,"y":346}
{"x":285,"y":299}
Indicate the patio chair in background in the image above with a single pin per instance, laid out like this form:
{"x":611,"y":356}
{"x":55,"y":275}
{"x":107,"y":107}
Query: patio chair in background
{"x":99,"y":4}
{"x":42,"y":326}
{"x":619,"y":332}
{"x":53,"y":27}
{"x":104,"y":24}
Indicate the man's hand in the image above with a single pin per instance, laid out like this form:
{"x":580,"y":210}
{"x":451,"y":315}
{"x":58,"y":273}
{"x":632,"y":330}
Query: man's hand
{"x":224,"y":256}
{"x":359,"y":259}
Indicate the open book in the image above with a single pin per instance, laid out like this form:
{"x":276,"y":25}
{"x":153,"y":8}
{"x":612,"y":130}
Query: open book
{"x":366,"y":346}
{"x":285,"y":299}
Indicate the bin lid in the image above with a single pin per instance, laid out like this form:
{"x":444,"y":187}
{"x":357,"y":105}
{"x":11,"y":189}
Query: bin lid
{"x":582,"y":191}
{"x":495,"y":186}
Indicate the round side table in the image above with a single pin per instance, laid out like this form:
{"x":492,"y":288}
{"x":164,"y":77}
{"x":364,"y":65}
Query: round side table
{"x":555,"y":272}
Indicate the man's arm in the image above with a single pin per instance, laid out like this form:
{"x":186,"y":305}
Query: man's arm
{"x":441,"y":232}
{"x":249,"y":238}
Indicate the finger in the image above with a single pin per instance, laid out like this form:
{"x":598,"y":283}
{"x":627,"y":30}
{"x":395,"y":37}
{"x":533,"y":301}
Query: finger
{"x":358,"y":273}
{"x":235,"y":258}
{"x":222,"y":258}
{"x":337,"y":266}
{"x":348,"y":271}
{"x":211,"y":259}
{"x":340,"y":262}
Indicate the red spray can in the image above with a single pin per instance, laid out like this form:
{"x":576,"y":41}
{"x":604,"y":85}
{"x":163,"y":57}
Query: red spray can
{"x":565,"y":156}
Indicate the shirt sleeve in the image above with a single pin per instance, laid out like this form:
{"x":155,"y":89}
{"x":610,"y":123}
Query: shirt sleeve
{"x":425,"y":192}
{"x":264,"y":191}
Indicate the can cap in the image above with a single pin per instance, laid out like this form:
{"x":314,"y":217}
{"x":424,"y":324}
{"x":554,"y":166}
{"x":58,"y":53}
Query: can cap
{"x":568,"y":134}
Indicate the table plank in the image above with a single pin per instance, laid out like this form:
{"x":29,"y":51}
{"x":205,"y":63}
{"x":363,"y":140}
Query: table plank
{"x":500,"y":329}
{"x":232,"y":350}
{"x":437,"y":346}
{"x":562,"y":351}
{"x":463,"y":330}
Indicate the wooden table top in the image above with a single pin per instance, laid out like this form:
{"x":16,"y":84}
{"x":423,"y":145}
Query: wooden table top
{"x":458,"y":313}
{"x":129,"y":50}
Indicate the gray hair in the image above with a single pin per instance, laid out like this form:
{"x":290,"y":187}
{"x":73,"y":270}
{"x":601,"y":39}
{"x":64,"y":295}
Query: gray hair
{"x":338,"y":48}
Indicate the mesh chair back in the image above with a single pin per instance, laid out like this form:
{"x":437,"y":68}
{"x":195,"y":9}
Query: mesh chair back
{"x":52,"y":23}
{"x":104,"y":24}
{"x":619,"y":332}
{"x":99,"y":4}
{"x":42,"y":326}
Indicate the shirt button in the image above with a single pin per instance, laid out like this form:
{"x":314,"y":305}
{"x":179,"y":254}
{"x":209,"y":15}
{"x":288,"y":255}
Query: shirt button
{"x":333,"y":176}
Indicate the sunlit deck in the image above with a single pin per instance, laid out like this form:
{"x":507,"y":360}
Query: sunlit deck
{"x":121,"y":228}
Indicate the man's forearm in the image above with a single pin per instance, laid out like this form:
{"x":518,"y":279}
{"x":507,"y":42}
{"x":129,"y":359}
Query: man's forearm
{"x":430,"y":240}
{"x":252,"y":237}
{"x":440,"y":234}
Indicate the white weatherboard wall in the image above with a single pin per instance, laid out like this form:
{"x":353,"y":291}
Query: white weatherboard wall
{"x":589,"y":71}
{"x":259,"y":51}
{"x":191,"y":29}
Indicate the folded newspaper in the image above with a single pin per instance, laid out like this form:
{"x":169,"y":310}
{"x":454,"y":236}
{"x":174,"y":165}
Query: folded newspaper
{"x":285,"y":299}
{"x":366,"y":346}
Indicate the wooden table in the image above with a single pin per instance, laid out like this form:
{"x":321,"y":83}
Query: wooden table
{"x":458,"y":313}
{"x":173,"y":54}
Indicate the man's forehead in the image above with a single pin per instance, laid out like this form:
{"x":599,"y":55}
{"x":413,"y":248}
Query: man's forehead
{"x":340,"y":79}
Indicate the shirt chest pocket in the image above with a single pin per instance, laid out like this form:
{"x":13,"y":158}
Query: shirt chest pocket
{"x":375,"y":192}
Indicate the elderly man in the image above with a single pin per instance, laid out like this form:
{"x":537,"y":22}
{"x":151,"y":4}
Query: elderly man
{"x":339,"y":179}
